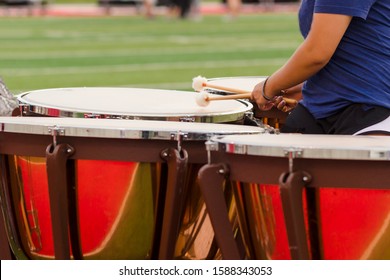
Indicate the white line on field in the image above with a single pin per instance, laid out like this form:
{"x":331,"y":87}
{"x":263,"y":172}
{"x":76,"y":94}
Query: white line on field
{"x":36,"y":55}
{"x":166,"y":66}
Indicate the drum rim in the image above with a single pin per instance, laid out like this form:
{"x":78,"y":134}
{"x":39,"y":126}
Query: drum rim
{"x":35,"y":108}
{"x":122,"y":129}
{"x":378,"y":151}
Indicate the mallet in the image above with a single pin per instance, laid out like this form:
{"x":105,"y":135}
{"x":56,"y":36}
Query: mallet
{"x":199,"y":83}
{"x":203,"y":98}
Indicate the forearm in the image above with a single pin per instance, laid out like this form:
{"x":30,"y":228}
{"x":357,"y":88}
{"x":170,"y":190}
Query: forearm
{"x":301,"y":65}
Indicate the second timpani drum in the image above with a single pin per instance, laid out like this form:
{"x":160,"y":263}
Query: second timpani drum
{"x":273,"y":117}
{"x":106,"y":189}
{"x":302,"y":196}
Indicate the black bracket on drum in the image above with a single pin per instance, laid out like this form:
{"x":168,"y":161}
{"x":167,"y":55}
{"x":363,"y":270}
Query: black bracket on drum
{"x":59,"y":187}
{"x":291,"y":189}
{"x":211,"y":178}
{"x":174,"y":200}
{"x":5,"y":252}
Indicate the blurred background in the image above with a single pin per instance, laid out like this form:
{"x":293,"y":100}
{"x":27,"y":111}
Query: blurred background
{"x":116,"y":43}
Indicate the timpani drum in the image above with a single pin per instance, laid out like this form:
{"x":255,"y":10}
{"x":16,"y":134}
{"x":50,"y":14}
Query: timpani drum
{"x":301,"y":196}
{"x":130,"y":103}
{"x":273,"y":117}
{"x":106,"y":189}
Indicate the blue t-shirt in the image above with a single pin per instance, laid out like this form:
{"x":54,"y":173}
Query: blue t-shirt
{"x":359,"y":70}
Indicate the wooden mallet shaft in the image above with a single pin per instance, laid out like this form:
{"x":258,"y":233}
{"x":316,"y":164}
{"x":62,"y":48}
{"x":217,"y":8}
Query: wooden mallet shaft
{"x":245,"y":95}
{"x":228,"y":89}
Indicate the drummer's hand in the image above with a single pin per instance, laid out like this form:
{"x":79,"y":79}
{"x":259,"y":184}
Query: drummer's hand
{"x":257,"y":97}
{"x":293,"y":93}
{"x":282,"y":105}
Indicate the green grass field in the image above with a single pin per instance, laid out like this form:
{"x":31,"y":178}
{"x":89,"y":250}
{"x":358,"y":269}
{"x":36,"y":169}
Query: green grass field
{"x":47,"y":52}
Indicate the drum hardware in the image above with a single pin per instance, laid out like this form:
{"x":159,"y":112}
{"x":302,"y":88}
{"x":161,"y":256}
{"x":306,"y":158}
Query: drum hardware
{"x":292,"y":185}
{"x":379,"y":155}
{"x":250,"y":115}
{"x":264,"y":123}
{"x":210,"y":146}
{"x":215,"y":175}
{"x":176,"y":191}
{"x":274,"y":117}
{"x":187,"y":119}
{"x":92,"y":116}
{"x":251,"y":119}
{"x":56,"y":131}
{"x":319,"y":173}
{"x":60,"y":186}
{"x":179,"y":137}
{"x":23,"y":108}
{"x":292,"y":153}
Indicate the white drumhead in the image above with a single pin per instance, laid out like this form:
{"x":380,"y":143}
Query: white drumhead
{"x":130,"y":102}
{"x":308,"y":146}
{"x":126,"y":129}
{"x":242,"y":83}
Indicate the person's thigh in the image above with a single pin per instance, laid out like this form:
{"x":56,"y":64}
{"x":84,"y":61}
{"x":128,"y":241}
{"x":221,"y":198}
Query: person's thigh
{"x":355,"y":118}
{"x":300,"y":120}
